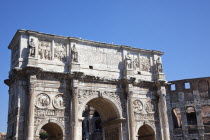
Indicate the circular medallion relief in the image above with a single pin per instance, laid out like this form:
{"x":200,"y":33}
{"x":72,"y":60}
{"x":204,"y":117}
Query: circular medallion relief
{"x":137,"y":106}
{"x":149,"y":107}
{"x":42,"y":100}
{"x":60,"y":101}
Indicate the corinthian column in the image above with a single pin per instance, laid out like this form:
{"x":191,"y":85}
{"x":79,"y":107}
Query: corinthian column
{"x":32,"y":85}
{"x":163,"y":113}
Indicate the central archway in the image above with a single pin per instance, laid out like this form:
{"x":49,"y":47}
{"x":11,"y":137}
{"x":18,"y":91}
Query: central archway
{"x":108,"y":118}
{"x":51,"y":131}
{"x":146,"y":133}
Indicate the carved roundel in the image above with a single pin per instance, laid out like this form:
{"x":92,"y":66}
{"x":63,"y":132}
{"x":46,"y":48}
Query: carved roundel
{"x":60,"y":101}
{"x":42,"y":100}
{"x":149,"y":107}
{"x":137,"y":106}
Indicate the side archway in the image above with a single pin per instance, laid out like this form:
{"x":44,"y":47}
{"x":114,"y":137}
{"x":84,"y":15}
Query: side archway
{"x":54,"y":129}
{"x":146,"y":132}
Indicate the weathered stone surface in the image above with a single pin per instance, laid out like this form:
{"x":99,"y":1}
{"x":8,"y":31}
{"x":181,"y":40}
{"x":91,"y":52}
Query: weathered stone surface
{"x":192,"y":121}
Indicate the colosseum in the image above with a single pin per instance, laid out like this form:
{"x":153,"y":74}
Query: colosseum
{"x":188,"y":107}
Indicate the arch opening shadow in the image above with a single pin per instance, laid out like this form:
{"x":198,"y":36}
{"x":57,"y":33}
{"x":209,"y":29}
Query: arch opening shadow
{"x":146,"y":133}
{"x":96,"y":114}
{"x":106,"y":109}
{"x":52,"y":131}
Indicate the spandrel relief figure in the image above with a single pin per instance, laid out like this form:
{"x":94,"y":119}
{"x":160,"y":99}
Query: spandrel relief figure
{"x":159,"y":65}
{"x":74,"y":54}
{"x":32,"y":47}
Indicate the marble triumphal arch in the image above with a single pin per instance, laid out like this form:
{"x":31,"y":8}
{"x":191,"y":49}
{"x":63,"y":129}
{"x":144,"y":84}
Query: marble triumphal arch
{"x":66,"y":88}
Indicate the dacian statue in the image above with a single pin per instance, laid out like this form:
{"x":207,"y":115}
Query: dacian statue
{"x":74,"y":54}
{"x":32,"y":47}
{"x":159,"y":65}
{"x":128,"y":61}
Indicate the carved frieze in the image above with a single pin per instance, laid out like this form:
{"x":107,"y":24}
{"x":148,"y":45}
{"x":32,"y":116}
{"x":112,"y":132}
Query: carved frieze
{"x":42,"y":100}
{"x":44,"y":50}
{"x":145,"y":63}
{"x":62,"y":119}
{"x":60,"y":101}
{"x":139,"y":116}
{"x":49,"y":112}
{"x":60,"y":51}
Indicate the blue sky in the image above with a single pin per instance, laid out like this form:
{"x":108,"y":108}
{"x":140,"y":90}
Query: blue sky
{"x":180,"y":28}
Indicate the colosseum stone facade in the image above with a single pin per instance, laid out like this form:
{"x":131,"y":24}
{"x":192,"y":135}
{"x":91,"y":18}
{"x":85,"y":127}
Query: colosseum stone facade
{"x":188,"y":107}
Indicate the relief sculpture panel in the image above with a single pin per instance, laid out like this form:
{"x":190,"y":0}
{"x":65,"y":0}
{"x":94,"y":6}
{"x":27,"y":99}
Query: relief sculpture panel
{"x":60,"y":101}
{"x":143,"y":111}
{"x":137,"y":106}
{"x":145,"y":63}
{"x":42,"y":100}
{"x":44,"y":50}
{"x":132,"y":61}
{"x":149,"y":107}
{"x":60,"y":51}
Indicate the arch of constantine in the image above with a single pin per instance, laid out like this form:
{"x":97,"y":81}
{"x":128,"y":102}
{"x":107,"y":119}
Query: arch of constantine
{"x":73,"y":89}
